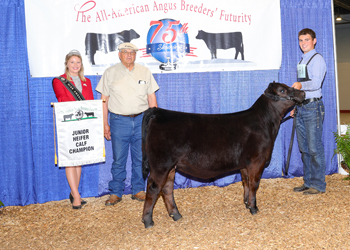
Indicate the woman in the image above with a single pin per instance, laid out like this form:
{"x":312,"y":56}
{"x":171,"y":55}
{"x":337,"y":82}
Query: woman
{"x":74,"y":72}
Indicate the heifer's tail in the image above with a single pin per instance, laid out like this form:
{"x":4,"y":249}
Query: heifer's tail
{"x":242,"y":51}
{"x":147,"y":116}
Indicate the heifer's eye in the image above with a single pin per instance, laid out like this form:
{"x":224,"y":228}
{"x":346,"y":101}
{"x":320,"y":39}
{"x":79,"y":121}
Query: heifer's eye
{"x":282,"y":91}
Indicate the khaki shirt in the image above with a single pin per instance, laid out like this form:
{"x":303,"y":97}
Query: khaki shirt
{"x":127,"y":90}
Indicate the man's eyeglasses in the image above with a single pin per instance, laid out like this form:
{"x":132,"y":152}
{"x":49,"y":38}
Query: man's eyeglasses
{"x":129,"y":53}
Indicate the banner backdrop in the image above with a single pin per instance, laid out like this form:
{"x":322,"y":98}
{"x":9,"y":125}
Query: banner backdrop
{"x":176,"y":36}
{"x":80,"y":138}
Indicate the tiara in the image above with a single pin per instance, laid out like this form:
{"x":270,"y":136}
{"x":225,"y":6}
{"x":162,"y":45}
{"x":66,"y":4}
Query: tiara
{"x":73,"y":52}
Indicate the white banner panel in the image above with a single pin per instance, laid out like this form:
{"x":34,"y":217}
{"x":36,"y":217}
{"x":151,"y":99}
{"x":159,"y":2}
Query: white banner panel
{"x":80,"y":138}
{"x":173,"y":36}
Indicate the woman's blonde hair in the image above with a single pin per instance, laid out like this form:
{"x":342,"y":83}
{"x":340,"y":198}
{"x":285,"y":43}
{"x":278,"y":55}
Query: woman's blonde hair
{"x":81,"y":71}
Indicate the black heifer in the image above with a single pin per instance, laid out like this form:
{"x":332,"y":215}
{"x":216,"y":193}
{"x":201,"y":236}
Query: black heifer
{"x":216,"y":41}
{"x":106,"y":42}
{"x":88,"y":114}
{"x":66,"y":117}
{"x":207,"y":146}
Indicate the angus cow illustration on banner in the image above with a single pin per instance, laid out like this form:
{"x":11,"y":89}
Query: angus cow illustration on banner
{"x":228,"y":40}
{"x":106,"y":42}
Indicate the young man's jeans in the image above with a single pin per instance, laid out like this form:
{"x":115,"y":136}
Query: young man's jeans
{"x":125,"y":132}
{"x":309,"y":126}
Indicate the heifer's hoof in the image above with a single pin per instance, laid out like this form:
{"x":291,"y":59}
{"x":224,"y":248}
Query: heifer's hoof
{"x":148,"y":224}
{"x":176,"y":217}
{"x":253,"y":210}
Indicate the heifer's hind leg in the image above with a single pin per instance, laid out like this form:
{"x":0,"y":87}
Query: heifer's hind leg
{"x":168,"y":196}
{"x":153,"y":189}
{"x":239,"y":50}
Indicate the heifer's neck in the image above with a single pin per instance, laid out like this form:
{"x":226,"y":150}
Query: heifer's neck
{"x":271,"y":111}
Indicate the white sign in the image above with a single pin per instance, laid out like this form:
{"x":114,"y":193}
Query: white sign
{"x":172,"y":36}
{"x":80,"y":138}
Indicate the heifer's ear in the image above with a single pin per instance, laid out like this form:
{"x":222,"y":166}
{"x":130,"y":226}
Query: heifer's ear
{"x":270,"y":86}
{"x":270,"y":89}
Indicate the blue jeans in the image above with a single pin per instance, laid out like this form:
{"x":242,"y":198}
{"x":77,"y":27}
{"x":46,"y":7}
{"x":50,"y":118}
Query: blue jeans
{"x":309,"y":126}
{"x":125,"y":132}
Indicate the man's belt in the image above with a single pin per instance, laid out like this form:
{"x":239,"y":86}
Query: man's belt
{"x":307,"y":101}
{"x":132,"y":116}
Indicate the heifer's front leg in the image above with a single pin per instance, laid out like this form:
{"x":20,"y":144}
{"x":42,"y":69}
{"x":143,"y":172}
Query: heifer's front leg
{"x":91,"y":56}
{"x":254,"y":180}
{"x":153,"y":190}
{"x":168,"y":196}
{"x":245,"y":181}
{"x":213,"y":53}
{"x":236,"y":55}
{"x":252,"y":199}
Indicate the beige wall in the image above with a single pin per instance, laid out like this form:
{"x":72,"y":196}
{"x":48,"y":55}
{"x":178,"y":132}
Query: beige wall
{"x":343,"y":63}
{"x":344,"y":85}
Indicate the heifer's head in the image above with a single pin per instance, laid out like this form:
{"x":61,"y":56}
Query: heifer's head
{"x":200,"y":34}
{"x":281,"y":92}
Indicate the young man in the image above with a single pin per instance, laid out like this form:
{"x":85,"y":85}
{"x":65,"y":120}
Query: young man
{"x":310,"y":114}
{"x":128,"y":89}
